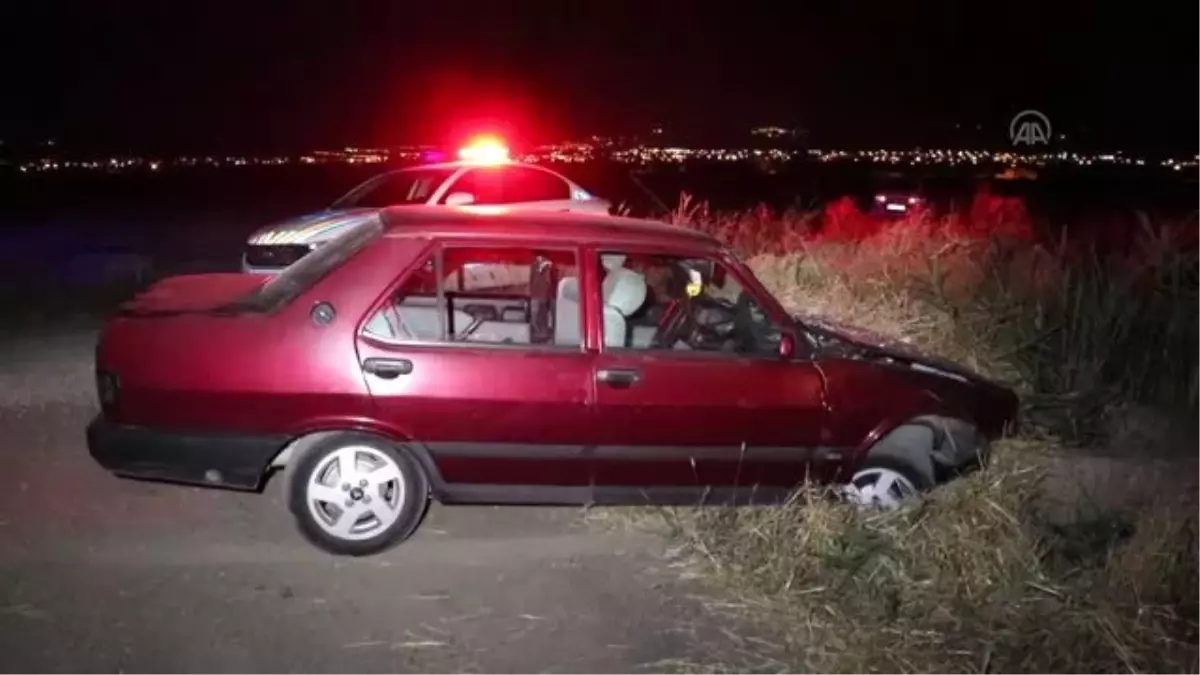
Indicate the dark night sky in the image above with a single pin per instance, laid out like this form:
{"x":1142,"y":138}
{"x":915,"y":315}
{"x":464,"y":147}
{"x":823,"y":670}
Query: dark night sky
{"x":288,"y":74}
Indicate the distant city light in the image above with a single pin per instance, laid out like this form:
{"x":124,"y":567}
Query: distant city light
{"x":598,"y":148}
{"x":772,"y":132}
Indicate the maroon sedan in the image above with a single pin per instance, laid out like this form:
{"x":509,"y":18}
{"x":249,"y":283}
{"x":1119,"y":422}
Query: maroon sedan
{"x":517,"y":358}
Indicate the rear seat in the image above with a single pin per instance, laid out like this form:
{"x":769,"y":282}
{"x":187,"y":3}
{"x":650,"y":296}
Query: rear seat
{"x":420,"y":318}
{"x":501,"y":332}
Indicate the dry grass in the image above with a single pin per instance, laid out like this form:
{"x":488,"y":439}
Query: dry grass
{"x":981,"y":577}
{"x":1014,"y":568}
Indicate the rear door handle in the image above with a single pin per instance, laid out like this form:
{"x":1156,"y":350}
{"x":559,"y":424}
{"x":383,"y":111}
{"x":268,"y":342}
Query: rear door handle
{"x":618,"y":378}
{"x":387,"y":369}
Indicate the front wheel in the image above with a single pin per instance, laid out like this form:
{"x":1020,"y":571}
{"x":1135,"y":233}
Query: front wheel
{"x":884,"y":483}
{"x":356,"y":494}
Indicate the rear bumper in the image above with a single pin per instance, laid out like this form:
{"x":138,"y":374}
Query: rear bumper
{"x":219,"y":460}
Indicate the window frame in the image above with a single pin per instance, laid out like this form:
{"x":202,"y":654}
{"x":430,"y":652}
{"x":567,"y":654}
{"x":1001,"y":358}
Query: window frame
{"x":541,"y":173}
{"x":732,"y":266}
{"x":435,"y":251}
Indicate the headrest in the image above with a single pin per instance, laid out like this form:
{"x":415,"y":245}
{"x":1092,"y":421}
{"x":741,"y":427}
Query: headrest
{"x":612,"y":261}
{"x":568,"y":288}
{"x":624,"y":290}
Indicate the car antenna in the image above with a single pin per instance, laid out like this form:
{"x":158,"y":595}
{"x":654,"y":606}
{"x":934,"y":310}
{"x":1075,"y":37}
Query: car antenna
{"x":633,"y":176}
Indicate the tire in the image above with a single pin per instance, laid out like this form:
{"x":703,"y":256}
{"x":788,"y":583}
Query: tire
{"x":885,"y":482}
{"x":380,"y":504}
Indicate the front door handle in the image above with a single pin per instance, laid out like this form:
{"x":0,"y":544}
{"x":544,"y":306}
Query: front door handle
{"x":387,"y":369}
{"x":618,"y":378}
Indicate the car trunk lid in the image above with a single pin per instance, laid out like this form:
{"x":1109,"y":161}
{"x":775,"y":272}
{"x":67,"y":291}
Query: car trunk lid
{"x":192,"y":294}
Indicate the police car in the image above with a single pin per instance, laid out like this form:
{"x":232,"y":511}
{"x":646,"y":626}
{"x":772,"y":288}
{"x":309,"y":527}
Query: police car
{"x":483,"y":177}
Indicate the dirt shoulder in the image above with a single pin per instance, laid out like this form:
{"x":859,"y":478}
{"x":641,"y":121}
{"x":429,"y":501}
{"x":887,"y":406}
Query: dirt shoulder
{"x":107,"y":575}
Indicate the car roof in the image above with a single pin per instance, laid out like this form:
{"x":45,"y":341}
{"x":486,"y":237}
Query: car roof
{"x":465,"y":164}
{"x":562,"y":227}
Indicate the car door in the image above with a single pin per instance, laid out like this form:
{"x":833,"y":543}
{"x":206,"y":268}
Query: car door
{"x":459,"y":356}
{"x":697,"y":416}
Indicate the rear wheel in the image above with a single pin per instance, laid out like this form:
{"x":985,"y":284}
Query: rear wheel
{"x":356,"y":494}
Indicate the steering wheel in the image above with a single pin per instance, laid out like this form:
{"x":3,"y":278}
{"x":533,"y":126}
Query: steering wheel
{"x":675,"y":322}
{"x":727,"y":312}
{"x":679,"y":322}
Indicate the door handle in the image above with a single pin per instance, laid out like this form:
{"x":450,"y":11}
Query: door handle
{"x":387,"y":369}
{"x":618,"y":378}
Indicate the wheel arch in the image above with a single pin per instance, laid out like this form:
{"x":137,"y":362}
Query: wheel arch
{"x":310,"y":435}
{"x":935,"y":443}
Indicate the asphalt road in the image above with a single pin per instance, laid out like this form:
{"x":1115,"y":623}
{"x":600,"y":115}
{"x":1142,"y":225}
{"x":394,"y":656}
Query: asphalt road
{"x":103,"y":574}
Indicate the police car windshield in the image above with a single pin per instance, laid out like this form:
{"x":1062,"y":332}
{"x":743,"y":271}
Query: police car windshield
{"x":406,"y":186}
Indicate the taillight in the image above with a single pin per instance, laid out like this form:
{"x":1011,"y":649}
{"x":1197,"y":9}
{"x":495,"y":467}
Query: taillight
{"x":108,"y":390}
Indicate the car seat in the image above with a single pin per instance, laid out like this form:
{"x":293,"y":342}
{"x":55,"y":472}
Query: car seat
{"x":566,"y":312}
{"x":624,"y":291}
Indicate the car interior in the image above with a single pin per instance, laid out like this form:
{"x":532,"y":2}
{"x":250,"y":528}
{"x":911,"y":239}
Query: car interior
{"x":493,"y":296}
{"x":624,"y":293}
{"x":507,"y":296}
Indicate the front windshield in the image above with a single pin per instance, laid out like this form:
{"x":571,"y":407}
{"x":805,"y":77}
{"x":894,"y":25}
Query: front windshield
{"x":894,"y":183}
{"x":302,"y":274}
{"x":406,"y":186}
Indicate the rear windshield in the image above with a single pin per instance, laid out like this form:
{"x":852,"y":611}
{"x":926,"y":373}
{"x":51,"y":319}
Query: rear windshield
{"x":304,"y":273}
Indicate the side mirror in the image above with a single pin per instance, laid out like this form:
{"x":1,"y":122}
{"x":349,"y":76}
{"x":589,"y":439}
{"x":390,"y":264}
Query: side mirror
{"x":460,"y":199}
{"x":787,"y":346}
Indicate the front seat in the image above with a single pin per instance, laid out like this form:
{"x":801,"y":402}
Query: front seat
{"x":624,"y":292}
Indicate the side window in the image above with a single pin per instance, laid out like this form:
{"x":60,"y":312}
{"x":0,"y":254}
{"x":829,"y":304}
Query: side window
{"x":533,"y":185}
{"x":485,"y":184}
{"x":511,"y":185}
{"x":655,"y":302}
{"x":488,"y":295}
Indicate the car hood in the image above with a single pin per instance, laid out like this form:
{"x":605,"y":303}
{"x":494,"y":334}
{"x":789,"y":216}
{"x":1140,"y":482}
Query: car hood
{"x":192,"y":294}
{"x":840,"y":339}
{"x":310,"y":228}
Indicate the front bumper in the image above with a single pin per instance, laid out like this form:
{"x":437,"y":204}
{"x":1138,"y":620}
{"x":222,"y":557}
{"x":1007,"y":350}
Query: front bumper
{"x":218,"y":460}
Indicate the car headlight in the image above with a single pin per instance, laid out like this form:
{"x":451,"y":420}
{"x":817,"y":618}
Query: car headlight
{"x":275,"y":255}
